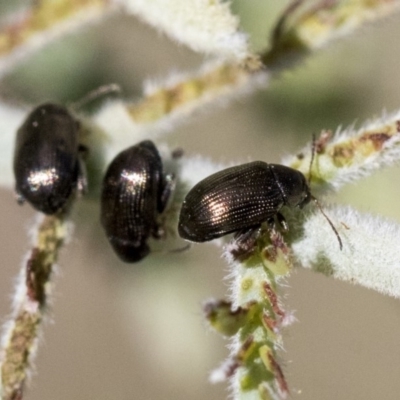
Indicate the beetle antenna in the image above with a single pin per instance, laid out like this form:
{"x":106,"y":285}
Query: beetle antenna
{"x":181,"y":249}
{"x":279,"y":27}
{"x":313,"y":147}
{"x":176,"y":250}
{"x":95,"y":94}
{"x":330,"y":222}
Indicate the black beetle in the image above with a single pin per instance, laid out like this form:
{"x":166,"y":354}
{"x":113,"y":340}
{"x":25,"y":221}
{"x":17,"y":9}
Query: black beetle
{"x":47,"y":165}
{"x":239,"y":199}
{"x":135,"y":191}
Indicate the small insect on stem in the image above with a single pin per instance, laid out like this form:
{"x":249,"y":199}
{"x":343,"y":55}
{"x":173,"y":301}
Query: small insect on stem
{"x":49,"y":158}
{"x":47,"y":164}
{"x":135,"y":192}
{"x":240,"y":199}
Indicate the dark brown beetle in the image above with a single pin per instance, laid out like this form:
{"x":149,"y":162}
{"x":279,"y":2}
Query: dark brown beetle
{"x":47,"y":165}
{"x":135,"y":191}
{"x":239,"y":199}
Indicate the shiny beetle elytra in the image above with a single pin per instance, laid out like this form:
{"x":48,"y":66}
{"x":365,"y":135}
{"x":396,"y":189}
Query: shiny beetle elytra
{"x":239,"y":199}
{"x":135,"y":192}
{"x":47,"y":165}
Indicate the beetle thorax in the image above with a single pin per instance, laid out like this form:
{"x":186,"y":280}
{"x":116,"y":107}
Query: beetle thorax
{"x":292,"y":184}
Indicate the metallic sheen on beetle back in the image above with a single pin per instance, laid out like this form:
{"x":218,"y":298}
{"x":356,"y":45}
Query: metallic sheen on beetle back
{"x":46,"y":158}
{"x":135,"y":191}
{"x":239,"y":199}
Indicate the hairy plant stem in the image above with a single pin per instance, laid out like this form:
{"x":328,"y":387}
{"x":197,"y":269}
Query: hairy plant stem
{"x":205,"y":85}
{"x":21,"y":333}
{"x":43,"y":15}
{"x":254,"y":319}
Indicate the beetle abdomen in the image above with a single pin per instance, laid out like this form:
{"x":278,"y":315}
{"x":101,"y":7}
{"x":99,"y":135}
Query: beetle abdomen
{"x":236,"y":198}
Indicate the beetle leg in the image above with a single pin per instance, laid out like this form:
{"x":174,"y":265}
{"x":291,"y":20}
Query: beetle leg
{"x":158,"y":232}
{"x":245,"y":241}
{"x":282,"y":222}
{"x":280,"y":219}
{"x":83,"y":150}
{"x":82,"y":183}
{"x":246,"y":238}
{"x":177,"y":153}
{"x":169,"y":183}
{"x":20,"y":198}
{"x":271,"y":222}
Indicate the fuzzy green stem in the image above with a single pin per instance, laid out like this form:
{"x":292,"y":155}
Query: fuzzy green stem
{"x":44,"y":15}
{"x":301,"y":30}
{"x":256,"y":319}
{"x":260,"y":338}
{"x":203,"y":86}
{"x":347,"y":156}
{"x":305,"y":27}
{"x":20,"y":338}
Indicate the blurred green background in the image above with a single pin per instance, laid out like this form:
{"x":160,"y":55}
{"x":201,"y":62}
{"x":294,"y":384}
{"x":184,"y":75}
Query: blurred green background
{"x":136,"y":331}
